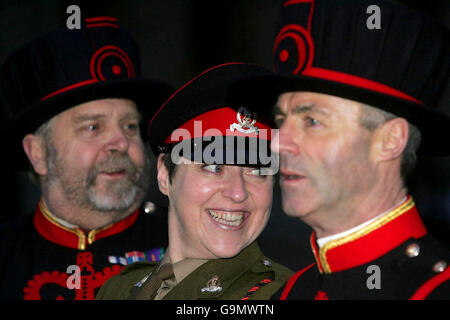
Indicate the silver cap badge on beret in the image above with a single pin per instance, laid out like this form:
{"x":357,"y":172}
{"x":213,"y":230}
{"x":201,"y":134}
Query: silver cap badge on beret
{"x":246,"y":123}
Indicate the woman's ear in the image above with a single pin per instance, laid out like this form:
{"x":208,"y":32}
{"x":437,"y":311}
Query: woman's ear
{"x":393,"y":138}
{"x":34,"y":147}
{"x":163,"y":175}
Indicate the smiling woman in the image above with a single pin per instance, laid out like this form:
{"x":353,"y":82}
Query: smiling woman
{"x":217,"y":207}
{"x":215,"y":214}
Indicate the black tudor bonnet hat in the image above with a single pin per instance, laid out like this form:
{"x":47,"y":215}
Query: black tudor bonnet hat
{"x":330,"y":47}
{"x":64,"y":68}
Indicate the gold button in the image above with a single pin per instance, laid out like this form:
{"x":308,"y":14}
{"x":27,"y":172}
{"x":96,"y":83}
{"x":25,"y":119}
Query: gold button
{"x":439,"y":266}
{"x":412,"y":250}
{"x":149,"y":207}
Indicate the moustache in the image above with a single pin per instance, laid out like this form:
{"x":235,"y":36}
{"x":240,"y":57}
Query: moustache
{"x":115,"y":164}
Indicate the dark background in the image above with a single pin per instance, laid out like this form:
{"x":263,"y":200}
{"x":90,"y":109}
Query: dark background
{"x":178,"y":40}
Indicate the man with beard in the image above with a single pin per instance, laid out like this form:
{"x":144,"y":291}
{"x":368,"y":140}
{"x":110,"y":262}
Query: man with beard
{"x":77,"y":99}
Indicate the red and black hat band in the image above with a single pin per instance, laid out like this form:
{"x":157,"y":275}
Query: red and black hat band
{"x":229,"y":150}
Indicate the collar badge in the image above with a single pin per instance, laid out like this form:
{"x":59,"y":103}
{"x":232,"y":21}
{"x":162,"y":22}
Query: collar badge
{"x":213,"y":285}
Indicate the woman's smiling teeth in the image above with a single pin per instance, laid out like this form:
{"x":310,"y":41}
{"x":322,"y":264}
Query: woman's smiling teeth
{"x":228,"y":218}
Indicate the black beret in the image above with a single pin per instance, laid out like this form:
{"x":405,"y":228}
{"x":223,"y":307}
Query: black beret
{"x":199,"y":114}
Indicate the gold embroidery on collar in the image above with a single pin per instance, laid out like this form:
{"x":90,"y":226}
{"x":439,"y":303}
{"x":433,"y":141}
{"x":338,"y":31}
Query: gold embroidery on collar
{"x":80,"y":234}
{"x":362,"y":232}
{"x":315,"y":251}
{"x":93,"y":233}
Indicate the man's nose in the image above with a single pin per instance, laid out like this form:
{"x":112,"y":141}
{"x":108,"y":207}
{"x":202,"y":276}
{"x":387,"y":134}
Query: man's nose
{"x":235,"y":187}
{"x":117,"y":140}
{"x":283,"y":140}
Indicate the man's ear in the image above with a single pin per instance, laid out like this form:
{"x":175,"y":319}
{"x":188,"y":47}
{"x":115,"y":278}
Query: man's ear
{"x":34,"y":147}
{"x":163,"y":176}
{"x":392,"y":139}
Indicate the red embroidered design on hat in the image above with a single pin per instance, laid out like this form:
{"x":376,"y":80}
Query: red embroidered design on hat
{"x":101,"y":22}
{"x":294,"y":47}
{"x":115,"y":56}
{"x":304,"y":49}
{"x":116,"y":69}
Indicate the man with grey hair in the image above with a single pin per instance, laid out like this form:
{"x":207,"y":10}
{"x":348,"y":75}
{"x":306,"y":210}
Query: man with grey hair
{"x":353,"y":106}
{"x":77,"y":99}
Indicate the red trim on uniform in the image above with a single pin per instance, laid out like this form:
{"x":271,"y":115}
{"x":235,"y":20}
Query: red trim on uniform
{"x":51,"y":232}
{"x":380,"y":241}
{"x":258,"y":286}
{"x":315,"y":250}
{"x":321,"y":295}
{"x":357,"y":82}
{"x":102,"y":24}
{"x":430,"y":285}
{"x":71,"y":238}
{"x":72,"y":86}
{"x":215,"y":123}
{"x":104,"y":18}
{"x":118,"y":227}
{"x":292,"y":281}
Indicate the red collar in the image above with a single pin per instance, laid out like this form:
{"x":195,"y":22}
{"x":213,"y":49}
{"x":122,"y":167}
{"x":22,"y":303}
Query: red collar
{"x":370,"y":242}
{"x":75,"y":238}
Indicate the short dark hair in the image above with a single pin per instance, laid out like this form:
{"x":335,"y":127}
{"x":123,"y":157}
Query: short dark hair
{"x":45,"y":132}
{"x":169,"y":164}
{"x":373,"y":117}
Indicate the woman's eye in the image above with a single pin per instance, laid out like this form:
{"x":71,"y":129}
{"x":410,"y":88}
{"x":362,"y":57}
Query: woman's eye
{"x":214,"y":168}
{"x":261,"y":172}
{"x":256,"y":172}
